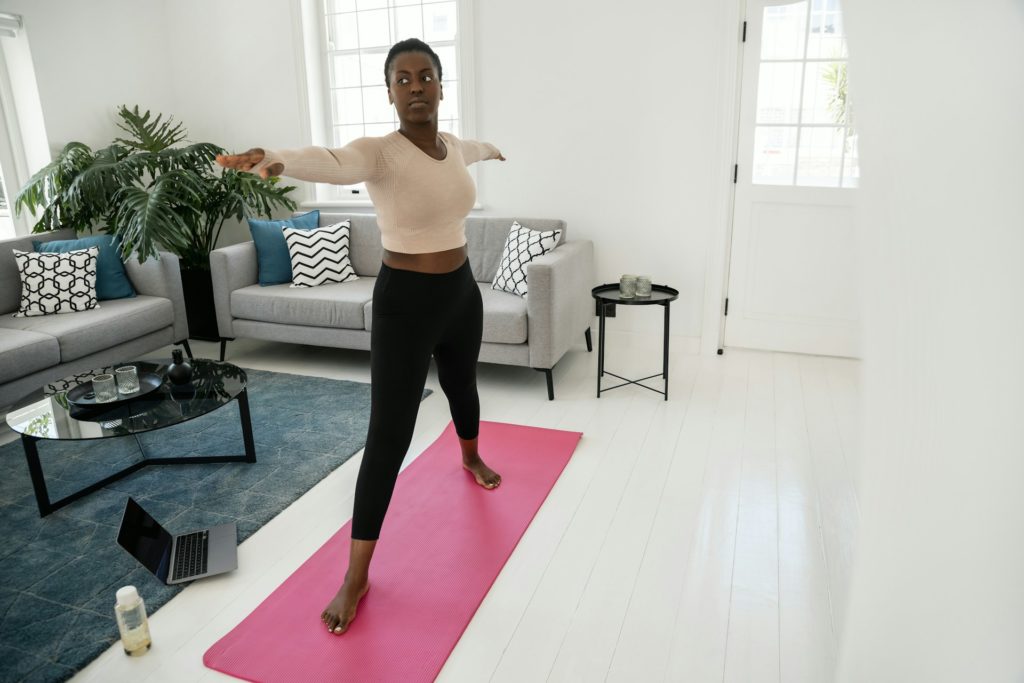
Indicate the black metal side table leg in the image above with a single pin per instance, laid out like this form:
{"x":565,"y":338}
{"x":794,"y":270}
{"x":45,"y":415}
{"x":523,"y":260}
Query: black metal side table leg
{"x":243,"y":412}
{"x":600,"y":350}
{"x":35,"y":470}
{"x":664,"y":372}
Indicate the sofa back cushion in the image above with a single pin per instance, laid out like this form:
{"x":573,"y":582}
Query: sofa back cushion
{"x":10,"y":280}
{"x":485,"y":239}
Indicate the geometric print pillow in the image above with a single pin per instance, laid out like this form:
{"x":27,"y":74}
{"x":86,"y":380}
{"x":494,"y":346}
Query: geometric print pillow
{"x":522,"y":246}
{"x":319,"y":256}
{"x":57,"y":282}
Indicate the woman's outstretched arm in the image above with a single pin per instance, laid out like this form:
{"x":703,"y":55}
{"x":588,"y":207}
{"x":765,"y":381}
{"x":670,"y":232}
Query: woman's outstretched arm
{"x":357,"y":162}
{"x":473,"y":151}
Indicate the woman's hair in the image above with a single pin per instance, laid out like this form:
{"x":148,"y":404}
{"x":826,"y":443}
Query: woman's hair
{"x":409,"y":45}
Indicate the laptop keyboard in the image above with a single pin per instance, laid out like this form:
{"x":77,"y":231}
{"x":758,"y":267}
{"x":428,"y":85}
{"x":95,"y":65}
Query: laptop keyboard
{"x":190,"y":556}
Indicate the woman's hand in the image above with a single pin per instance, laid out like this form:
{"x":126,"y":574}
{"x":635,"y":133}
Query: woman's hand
{"x":247,"y":160}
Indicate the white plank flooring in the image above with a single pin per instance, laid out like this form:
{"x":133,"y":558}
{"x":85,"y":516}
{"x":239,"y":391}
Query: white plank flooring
{"x":704,"y":538}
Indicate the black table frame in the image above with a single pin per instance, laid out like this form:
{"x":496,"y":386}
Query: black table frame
{"x":46,"y":506}
{"x":636,"y":301}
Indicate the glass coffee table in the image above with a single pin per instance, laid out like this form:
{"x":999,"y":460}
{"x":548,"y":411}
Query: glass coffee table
{"x":47,"y":415}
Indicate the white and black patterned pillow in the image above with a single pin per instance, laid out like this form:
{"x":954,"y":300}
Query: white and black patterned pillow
{"x":56,"y":283}
{"x":522,"y":246}
{"x":319,"y":256}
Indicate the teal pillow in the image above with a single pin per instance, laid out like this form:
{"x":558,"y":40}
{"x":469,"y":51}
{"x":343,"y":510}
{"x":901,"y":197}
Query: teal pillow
{"x":111,"y":279}
{"x":275,"y":265}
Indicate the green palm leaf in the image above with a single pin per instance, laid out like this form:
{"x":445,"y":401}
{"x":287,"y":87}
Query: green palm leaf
{"x":157,"y":217}
{"x":151,"y":136}
{"x":44,"y":190}
{"x":199,"y":156}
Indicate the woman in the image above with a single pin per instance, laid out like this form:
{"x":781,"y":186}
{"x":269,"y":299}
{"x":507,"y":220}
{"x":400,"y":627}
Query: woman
{"x":425,"y":300}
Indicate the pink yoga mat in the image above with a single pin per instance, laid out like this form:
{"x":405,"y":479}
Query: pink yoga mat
{"x":442,"y":545}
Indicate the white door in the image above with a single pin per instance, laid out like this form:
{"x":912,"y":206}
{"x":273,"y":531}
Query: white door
{"x":792,"y":267}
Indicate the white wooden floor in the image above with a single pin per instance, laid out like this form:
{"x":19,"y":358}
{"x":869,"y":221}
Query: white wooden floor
{"x":704,"y":538}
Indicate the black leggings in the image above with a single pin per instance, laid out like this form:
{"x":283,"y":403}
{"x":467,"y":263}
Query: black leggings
{"x":415,"y":315}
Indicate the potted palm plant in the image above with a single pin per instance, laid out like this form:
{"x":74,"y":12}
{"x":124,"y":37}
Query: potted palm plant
{"x":152,"y":195}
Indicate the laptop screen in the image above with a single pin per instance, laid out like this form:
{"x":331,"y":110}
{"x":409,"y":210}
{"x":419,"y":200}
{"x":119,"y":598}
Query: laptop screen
{"x":145,"y":539}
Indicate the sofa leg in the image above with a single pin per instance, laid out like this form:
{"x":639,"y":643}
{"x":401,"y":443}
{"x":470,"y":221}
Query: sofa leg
{"x":551,"y":382}
{"x":188,"y":349}
{"x":224,"y":346}
{"x":590,"y":343}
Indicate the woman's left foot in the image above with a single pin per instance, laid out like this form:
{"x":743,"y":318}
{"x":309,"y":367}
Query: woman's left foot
{"x":485,"y":476}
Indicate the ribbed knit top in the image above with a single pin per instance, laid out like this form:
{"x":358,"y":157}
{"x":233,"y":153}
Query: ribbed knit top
{"x":421,"y":202}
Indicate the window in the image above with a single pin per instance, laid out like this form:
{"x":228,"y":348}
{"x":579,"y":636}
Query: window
{"x":6,"y":224}
{"x":359,"y":34}
{"x":23,"y":144}
{"x":804,"y":129}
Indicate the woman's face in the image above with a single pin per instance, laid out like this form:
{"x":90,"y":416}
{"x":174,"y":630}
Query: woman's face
{"x":415,"y":89}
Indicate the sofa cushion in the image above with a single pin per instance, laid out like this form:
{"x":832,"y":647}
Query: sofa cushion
{"x":365,"y":249}
{"x":86,"y":332}
{"x":23,"y":352}
{"x":57,"y":283}
{"x":111,"y":279}
{"x":275,"y":267}
{"x":504,"y":316}
{"x":332,"y":305}
{"x":486,"y":236}
{"x":522,"y":246}
{"x":320,"y":256}
{"x":10,"y":279}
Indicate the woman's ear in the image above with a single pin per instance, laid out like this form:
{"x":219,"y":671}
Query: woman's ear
{"x":440,"y":86}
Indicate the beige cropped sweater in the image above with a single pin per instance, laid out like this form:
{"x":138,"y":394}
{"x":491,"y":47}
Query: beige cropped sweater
{"x":421,"y":203}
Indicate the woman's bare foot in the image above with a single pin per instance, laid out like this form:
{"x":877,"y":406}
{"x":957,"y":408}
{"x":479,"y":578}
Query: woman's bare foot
{"x":342,"y":609}
{"x":485,"y":476}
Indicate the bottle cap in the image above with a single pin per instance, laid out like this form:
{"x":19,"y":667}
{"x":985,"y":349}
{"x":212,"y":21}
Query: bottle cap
{"x":127,"y":595}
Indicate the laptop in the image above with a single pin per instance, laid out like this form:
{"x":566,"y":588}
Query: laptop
{"x":176,"y":559}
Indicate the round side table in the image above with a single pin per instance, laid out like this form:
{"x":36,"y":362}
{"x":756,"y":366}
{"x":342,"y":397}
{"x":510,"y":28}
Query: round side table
{"x":607,"y":295}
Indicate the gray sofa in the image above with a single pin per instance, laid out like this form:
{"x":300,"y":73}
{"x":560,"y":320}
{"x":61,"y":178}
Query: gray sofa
{"x":534,"y":331}
{"x":41,"y":349}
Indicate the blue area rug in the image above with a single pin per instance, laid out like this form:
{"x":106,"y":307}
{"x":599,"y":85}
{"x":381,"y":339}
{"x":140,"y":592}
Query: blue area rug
{"x":58,"y":574}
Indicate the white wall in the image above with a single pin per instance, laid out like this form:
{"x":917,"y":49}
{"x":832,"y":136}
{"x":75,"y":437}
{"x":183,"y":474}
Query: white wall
{"x":236,"y":66}
{"x":938,"y":584}
{"x":608,"y":121}
{"x":91,"y":57}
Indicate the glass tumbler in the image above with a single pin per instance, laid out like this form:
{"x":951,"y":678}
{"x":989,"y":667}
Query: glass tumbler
{"x":627,"y":286}
{"x":643,"y":285}
{"x":127,"y":379}
{"x":104,"y":388}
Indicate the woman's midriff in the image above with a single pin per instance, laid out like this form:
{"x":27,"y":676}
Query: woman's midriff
{"x":433,"y":262}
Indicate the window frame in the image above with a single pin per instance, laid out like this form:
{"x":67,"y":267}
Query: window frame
{"x":23,"y":141}
{"x":319,"y":96}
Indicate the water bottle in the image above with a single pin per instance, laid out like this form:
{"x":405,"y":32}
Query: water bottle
{"x":130,"y":612}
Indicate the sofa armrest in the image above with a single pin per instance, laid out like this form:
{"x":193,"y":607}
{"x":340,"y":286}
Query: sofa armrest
{"x":232,"y":267}
{"x":559,"y":307}
{"x":161,"y":277}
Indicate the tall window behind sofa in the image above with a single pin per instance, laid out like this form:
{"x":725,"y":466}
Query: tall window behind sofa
{"x":357,"y":37}
{"x":6,"y":224}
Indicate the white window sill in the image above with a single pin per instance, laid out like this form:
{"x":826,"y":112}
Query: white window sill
{"x":350,"y":204}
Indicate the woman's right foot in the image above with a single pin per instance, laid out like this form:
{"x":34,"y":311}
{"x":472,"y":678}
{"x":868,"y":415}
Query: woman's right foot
{"x":341,"y":610}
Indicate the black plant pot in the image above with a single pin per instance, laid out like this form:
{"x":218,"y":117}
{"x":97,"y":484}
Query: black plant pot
{"x":202,"y":316}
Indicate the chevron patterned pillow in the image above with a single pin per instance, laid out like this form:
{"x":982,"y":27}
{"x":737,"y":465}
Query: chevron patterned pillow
{"x":522,"y":246}
{"x":319,"y":256}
